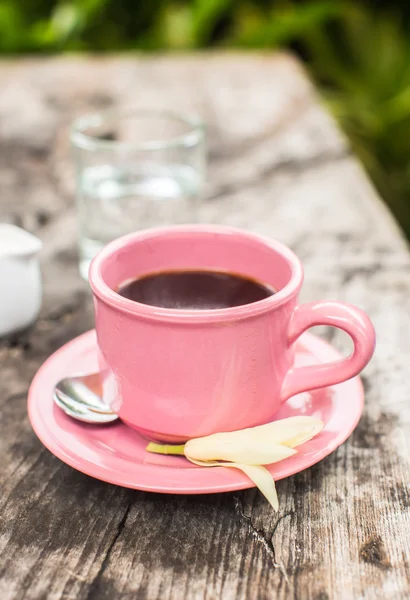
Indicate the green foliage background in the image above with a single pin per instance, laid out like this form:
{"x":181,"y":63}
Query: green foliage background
{"x":358,"y":52}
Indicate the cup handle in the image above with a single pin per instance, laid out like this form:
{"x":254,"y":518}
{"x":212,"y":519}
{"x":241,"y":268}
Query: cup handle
{"x":336,"y":314}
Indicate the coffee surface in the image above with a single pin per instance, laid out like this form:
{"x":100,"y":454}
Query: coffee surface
{"x":198,"y":290}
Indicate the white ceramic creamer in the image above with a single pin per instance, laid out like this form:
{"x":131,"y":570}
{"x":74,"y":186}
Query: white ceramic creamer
{"x":20,"y":278}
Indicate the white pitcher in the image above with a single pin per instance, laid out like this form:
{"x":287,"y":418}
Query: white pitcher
{"x":20,"y":279}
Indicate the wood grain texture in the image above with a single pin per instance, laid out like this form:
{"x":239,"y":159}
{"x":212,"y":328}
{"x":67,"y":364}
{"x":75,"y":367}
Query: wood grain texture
{"x":278,"y":166}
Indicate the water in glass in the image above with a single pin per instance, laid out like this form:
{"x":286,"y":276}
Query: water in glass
{"x":114,"y":200}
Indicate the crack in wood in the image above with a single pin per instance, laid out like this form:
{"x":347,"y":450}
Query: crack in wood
{"x":93,"y":591}
{"x":349,"y":273}
{"x":220,"y":149}
{"x":264,"y":538}
{"x":287,"y":166}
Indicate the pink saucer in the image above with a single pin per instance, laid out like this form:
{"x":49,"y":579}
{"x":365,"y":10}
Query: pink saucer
{"x":116,"y":454}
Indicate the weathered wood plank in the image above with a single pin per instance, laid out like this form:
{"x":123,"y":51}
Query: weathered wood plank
{"x":278,"y":166}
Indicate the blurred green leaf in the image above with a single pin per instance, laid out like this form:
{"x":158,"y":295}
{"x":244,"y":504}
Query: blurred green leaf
{"x":205,"y":16}
{"x":66,"y":20}
{"x":11,"y":27}
{"x":175,"y":26}
{"x":280,"y":25}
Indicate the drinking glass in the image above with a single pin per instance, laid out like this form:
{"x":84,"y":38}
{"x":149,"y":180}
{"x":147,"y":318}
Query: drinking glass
{"x":135,"y":170}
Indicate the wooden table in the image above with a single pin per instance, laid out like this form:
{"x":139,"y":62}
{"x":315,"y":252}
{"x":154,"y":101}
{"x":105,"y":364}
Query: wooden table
{"x":279,"y":166}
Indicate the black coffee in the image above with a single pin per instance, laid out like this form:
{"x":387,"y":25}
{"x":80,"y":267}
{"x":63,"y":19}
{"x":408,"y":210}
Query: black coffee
{"x":198,"y":290}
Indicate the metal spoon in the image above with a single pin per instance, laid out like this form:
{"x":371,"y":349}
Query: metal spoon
{"x":80,"y":398}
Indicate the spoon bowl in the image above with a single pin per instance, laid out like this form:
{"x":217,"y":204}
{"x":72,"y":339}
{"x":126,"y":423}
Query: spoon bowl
{"x":80,"y":397}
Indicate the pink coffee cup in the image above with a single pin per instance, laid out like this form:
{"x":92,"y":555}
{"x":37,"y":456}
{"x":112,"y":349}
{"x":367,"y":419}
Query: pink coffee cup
{"x":176,"y":374}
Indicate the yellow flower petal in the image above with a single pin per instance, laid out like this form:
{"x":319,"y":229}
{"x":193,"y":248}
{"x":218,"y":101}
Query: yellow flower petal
{"x":256,"y":473}
{"x":260,"y":445}
{"x":263,"y":481}
{"x":290,"y":432}
{"x":294,"y":431}
{"x":250,"y":451}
